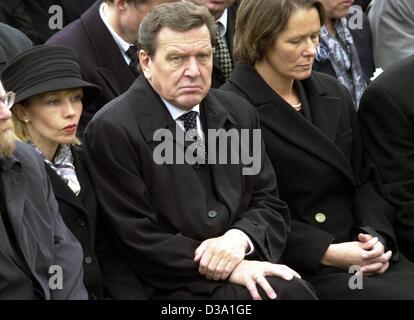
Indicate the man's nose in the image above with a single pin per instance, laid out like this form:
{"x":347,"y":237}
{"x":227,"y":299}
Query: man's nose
{"x":5,"y":113}
{"x":192,"y":69}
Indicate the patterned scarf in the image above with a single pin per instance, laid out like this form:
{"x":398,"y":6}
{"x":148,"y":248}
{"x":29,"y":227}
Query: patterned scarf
{"x":63,"y":165}
{"x":343,"y":57}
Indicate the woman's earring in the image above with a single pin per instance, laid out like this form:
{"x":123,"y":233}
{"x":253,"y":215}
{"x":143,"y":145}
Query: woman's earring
{"x":26,"y":120}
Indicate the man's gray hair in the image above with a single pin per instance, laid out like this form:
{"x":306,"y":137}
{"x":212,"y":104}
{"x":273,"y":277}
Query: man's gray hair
{"x":178,"y":16}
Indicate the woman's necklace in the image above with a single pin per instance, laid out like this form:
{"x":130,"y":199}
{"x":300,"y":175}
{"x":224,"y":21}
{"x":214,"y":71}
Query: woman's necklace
{"x":297,"y":107}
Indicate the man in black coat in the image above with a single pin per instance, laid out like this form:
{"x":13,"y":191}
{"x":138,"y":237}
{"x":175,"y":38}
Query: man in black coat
{"x":224,"y":13}
{"x":387,"y":124}
{"x":189,"y":229}
{"x":35,"y":244}
{"x":103,"y":37}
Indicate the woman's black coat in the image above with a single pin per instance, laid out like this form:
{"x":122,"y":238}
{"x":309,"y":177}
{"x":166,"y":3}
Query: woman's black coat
{"x":320,"y":169}
{"x":105,"y":275}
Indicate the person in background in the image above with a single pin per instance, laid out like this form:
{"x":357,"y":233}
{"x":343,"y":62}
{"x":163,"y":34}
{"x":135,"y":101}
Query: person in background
{"x":387,"y":124}
{"x":392,"y":25}
{"x":46,"y":114}
{"x":35,"y":244}
{"x":105,"y":38}
{"x":224,"y":12}
{"x":15,"y":14}
{"x":310,"y":129}
{"x":50,"y":16}
{"x":345,"y":50}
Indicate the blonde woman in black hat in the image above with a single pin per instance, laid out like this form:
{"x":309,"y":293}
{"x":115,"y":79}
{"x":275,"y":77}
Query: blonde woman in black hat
{"x":49,"y":93}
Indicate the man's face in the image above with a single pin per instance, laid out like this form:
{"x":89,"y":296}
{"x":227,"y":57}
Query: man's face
{"x":180,"y":69}
{"x":216,"y":7}
{"x":7,"y":141}
{"x":337,"y":8}
{"x":132,"y":16}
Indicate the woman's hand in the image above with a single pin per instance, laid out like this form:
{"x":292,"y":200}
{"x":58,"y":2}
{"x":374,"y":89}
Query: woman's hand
{"x":368,"y":253}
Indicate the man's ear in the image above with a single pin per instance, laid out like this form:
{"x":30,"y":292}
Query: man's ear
{"x":145,"y":62}
{"x":120,"y":5}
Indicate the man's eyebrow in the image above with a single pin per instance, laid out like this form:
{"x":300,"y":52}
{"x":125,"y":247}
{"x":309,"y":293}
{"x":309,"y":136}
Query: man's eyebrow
{"x":175,"y":52}
{"x":179,"y":51}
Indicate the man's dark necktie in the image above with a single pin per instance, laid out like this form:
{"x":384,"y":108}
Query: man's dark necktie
{"x":133,"y":65}
{"x":190,"y":123}
{"x":222,"y":54}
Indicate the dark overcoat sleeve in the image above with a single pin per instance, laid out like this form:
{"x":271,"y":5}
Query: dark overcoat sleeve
{"x":388,"y":132}
{"x":118,"y":280}
{"x":371,"y":210}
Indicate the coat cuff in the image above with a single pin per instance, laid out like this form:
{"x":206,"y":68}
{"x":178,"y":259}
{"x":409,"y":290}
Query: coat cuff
{"x":246,"y":237}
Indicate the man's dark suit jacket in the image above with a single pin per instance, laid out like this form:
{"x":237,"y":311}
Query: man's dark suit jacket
{"x":159,"y":212}
{"x":100,"y":59}
{"x":217,"y":76}
{"x":387,"y":123}
{"x":363,"y":44}
{"x":12,"y":42}
{"x":105,"y":274}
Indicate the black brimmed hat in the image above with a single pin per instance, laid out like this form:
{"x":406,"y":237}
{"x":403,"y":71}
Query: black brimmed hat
{"x":45,"y":68}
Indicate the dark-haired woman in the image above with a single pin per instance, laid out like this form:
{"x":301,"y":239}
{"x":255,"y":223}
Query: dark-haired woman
{"x":309,"y":126}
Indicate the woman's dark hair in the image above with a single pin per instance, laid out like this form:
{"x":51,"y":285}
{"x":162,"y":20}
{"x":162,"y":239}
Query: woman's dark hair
{"x":259,"y":22}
